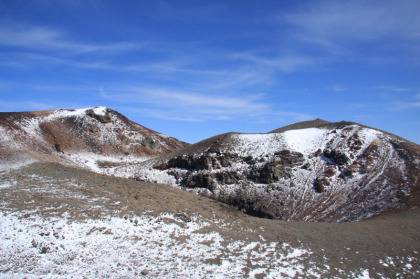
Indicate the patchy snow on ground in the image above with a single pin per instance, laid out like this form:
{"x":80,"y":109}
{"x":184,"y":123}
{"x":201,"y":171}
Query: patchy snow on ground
{"x":407,"y":263}
{"x":20,"y":160}
{"x":5,"y":184}
{"x":160,"y":246}
{"x":92,"y":161}
{"x":257,"y":145}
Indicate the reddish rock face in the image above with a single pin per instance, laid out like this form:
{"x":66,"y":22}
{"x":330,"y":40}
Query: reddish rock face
{"x":99,"y":130}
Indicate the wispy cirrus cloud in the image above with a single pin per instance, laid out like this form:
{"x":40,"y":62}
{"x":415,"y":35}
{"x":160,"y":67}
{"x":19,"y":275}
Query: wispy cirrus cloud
{"x":282,"y":63}
{"x":338,"y":25}
{"x":227,"y":71}
{"x":338,"y":88}
{"x":43,"y":46}
{"x":393,"y":88}
{"x":404,"y":105}
{"x":30,"y":59}
{"x":193,"y":102}
{"x":191,"y":106}
{"x":48,"y":39}
{"x":406,"y":101}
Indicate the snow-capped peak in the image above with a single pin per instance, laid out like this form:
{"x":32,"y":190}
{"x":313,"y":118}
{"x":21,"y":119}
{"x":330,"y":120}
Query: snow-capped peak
{"x":79,"y":113}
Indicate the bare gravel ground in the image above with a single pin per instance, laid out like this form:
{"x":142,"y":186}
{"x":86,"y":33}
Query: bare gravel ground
{"x":160,"y":231}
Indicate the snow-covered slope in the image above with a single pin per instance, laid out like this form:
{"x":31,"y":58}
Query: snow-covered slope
{"x":96,"y":138}
{"x":62,"y":222}
{"x":333,"y":172}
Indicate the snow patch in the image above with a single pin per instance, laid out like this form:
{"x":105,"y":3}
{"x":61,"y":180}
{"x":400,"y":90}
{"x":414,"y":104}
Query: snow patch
{"x":124,"y":248}
{"x":92,"y":161}
{"x":306,"y":141}
{"x":4,"y":185}
{"x":78,"y":113}
{"x":257,"y":145}
{"x":100,"y":110}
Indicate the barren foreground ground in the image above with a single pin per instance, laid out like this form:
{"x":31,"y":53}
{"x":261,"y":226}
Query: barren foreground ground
{"x":58,"y":221}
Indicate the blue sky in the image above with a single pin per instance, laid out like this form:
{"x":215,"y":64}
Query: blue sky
{"x":194,"y":69}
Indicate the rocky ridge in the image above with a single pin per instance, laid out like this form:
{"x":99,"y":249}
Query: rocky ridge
{"x":323,"y":172}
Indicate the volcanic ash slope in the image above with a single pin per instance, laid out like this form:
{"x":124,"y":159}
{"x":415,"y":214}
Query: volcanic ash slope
{"x":330,"y":172}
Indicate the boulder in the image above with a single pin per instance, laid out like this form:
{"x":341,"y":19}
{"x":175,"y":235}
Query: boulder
{"x":101,"y":118}
{"x":336,"y":156}
{"x":320,"y":184}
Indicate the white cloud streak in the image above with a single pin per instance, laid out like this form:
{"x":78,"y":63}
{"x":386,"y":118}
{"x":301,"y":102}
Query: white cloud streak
{"x":286,"y":63}
{"x":189,"y":106}
{"x":196,"y":102}
{"x":394,"y":88}
{"x":338,"y":88}
{"x":335,"y":24}
{"x":404,"y":105}
{"x":28,"y":60}
{"x":47,"y":39}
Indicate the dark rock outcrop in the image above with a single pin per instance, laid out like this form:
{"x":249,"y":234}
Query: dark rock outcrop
{"x":106,"y":118}
{"x":336,"y":157}
{"x":199,"y":168}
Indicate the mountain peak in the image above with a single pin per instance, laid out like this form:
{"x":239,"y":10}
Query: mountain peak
{"x":301,"y":125}
{"x":309,"y":171}
{"x":99,"y":133}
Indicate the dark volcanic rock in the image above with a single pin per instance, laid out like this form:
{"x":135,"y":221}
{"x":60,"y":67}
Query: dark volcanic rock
{"x":228,"y":177}
{"x":320,"y":184}
{"x":203,"y":162}
{"x":199,"y":180}
{"x":57,"y":147}
{"x":269,"y":172}
{"x":279,"y":167}
{"x":106,"y":118}
{"x":336,"y":156}
{"x":181,"y":162}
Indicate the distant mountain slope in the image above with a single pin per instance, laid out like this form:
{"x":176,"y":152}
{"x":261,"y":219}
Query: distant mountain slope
{"x":301,"y":125}
{"x":83,"y":137}
{"x":331,"y":172}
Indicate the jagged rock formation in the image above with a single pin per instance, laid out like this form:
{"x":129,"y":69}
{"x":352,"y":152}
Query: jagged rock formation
{"x":321,"y":172}
{"x":77,"y":136}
